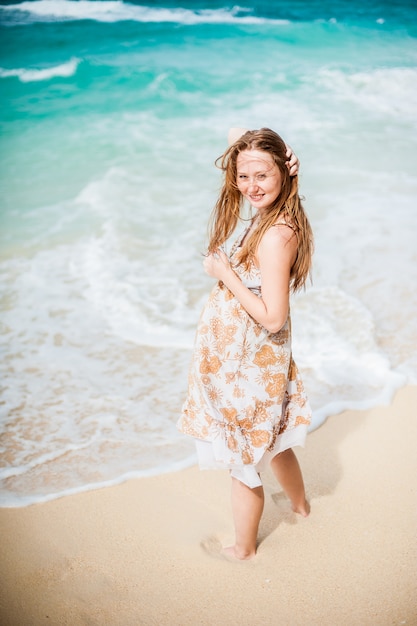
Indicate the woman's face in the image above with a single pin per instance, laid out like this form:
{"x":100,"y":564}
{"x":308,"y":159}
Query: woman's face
{"x":258,"y":178}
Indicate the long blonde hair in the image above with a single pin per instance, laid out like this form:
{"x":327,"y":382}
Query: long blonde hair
{"x":287,"y":206}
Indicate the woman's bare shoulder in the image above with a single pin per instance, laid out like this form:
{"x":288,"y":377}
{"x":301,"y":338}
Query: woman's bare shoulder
{"x":282,"y":232}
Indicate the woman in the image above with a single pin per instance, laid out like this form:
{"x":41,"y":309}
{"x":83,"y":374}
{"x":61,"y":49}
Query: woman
{"x":246,"y":404}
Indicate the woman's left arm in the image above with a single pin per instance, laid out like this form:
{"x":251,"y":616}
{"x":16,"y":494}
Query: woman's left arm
{"x":276,"y":255}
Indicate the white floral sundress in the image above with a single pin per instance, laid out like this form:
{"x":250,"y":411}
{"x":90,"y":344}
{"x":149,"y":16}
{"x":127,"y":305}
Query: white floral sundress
{"x":246,"y":400}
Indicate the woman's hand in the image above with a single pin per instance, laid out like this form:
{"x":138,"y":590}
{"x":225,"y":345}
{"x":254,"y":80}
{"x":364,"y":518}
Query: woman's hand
{"x":217,"y":265}
{"x":293,"y":163}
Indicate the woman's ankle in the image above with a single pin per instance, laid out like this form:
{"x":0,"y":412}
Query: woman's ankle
{"x":242,"y":554}
{"x":302,"y":508}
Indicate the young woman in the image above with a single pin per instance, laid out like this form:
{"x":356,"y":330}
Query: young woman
{"x":246,"y":405}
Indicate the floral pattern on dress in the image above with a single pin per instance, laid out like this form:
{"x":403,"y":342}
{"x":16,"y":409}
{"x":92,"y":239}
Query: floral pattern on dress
{"x":245,"y":392}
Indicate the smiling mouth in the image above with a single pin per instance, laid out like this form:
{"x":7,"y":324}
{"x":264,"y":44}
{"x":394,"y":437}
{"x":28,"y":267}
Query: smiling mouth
{"x":257,"y":196}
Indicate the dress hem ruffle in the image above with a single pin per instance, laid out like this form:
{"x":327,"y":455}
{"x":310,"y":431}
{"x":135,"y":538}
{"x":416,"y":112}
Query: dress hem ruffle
{"x":249,"y":474}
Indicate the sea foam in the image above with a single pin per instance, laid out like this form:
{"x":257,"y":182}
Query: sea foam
{"x":102,"y":11}
{"x":26,"y":75}
{"x":388,"y":91}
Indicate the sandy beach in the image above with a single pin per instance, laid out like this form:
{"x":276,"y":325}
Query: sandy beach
{"x":147,"y":551}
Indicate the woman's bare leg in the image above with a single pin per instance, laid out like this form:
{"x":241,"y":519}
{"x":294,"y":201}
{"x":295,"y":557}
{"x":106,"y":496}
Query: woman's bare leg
{"x":288,"y":473}
{"x":247,"y":507}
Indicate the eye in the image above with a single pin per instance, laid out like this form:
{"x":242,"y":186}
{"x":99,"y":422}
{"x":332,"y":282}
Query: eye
{"x":242,"y":176}
{"x":261,"y":177}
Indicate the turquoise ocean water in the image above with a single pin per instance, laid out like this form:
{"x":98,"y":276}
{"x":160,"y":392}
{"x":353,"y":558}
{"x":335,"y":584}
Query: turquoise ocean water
{"x":112,"y":114}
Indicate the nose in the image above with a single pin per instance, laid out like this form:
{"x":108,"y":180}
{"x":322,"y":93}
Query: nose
{"x":253,"y":185}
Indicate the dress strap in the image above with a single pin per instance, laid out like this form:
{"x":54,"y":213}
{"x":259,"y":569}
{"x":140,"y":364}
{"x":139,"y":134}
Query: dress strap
{"x":284,"y":223}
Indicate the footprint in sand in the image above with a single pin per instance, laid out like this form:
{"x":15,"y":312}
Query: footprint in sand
{"x":212,"y":546}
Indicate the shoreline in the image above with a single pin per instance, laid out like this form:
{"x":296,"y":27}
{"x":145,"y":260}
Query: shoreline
{"x":146,"y":551}
{"x":330,"y":411}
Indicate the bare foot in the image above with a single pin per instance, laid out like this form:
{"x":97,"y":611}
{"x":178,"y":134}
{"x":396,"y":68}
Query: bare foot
{"x":233,"y":553}
{"x":212,"y":546}
{"x":302,"y":509}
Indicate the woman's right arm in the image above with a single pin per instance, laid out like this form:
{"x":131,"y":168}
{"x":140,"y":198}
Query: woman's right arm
{"x":276,"y":255}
